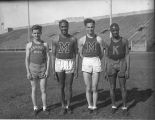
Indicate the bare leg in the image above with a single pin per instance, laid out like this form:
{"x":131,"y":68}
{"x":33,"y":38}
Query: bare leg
{"x":43,"y":83}
{"x":122,"y":82}
{"x":95,"y":79}
{"x":112,"y":82}
{"x":61,"y":80}
{"x":33,"y":93}
{"x":69,"y":81}
{"x":88,"y":83}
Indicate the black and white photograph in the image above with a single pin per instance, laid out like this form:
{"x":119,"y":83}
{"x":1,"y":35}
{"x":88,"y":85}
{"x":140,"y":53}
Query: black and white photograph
{"x":77,"y":59}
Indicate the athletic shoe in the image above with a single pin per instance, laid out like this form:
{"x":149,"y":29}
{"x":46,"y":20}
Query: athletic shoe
{"x":90,"y":110}
{"x":35,"y":112}
{"x":113,"y":109}
{"x":124,"y":111}
{"x":63,"y":111}
{"x":95,"y":111}
{"x":46,"y":112}
{"x":69,"y":110}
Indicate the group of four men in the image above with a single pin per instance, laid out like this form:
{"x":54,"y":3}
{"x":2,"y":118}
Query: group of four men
{"x":65,"y":61}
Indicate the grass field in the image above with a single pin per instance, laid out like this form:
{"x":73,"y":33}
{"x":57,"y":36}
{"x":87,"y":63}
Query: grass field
{"x":15,"y":102}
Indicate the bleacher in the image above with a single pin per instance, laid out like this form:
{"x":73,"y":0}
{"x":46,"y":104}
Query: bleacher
{"x":128,"y":26}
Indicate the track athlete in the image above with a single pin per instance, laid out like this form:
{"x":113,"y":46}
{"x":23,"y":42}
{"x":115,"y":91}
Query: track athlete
{"x":37,"y":66}
{"x":65,"y":64}
{"x":117,"y":64}
{"x":91,"y":52}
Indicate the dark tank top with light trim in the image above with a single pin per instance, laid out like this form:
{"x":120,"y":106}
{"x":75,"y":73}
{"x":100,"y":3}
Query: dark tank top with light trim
{"x":116,"y":50}
{"x":91,"y":47}
{"x":65,"y":47}
{"x":38,"y":53}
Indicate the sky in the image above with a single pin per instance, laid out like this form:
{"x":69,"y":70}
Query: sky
{"x":15,"y":13}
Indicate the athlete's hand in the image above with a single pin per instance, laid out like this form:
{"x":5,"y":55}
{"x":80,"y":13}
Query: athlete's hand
{"x":106,"y":76}
{"x":127,"y":74}
{"x":46,"y":74}
{"x":81,"y":56}
{"x":54,"y":76}
{"x":29,"y":76}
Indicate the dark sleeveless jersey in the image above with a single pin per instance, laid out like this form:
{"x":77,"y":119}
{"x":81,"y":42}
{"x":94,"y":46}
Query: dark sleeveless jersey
{"x":38,"y":53}
{"x":116,"y":50}
{"x":65,"y":48}
{"x":91,"y":48}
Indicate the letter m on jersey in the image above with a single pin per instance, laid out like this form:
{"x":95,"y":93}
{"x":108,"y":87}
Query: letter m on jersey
{"x":91,"y":46}
{"x":64,"y":47}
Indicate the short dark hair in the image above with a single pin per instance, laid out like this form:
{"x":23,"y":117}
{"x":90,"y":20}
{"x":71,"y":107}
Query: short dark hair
{"x":37,"y":27}
{"x":63,"y":21}
{"x":114,"y":25}
{"x":89,"y":20}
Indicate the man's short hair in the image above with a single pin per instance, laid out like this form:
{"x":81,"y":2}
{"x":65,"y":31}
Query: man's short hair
{"x":37,"y":27}
{"x":63,"y":21}
{"x":114,"y":25}
{"x":89,"y":20}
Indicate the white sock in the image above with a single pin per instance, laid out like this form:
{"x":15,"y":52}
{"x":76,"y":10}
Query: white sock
{"x":66,"y":107}
{"x":124,"y":108}
{"x":35,"y":107}
{"x":90,"y":107}
{"x":94,"y":107}
{"x":44,"y":108}
{"x":114,"y":107}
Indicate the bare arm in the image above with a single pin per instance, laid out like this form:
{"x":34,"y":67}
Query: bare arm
{"x":127,"y":56}
{"x":105,"y":55}
{"x":76,"y":57}
{"x":53,"y":55}
{"x":105,"y":58}
{"x":80,"y":46}
{"x":48,"y":59}
{"x":99,"y":39}
{"x":27,"y":59}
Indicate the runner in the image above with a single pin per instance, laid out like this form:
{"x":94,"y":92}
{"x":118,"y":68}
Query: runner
{"x":117,"y":64}
{"x":37,"y":66}
{"x":65,"y":63}
{"x":91,"y":52}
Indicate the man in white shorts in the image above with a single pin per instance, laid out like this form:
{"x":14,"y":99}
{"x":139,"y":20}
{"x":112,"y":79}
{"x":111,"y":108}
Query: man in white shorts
{"x":65,"y":63}
{"x":91,"y":52}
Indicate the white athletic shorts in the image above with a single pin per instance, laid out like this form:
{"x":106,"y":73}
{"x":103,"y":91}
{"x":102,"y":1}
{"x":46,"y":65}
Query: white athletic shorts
{"x":64,"y":65}
{"x":91,"y":64}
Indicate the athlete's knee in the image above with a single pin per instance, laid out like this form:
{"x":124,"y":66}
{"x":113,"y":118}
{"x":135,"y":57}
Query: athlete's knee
{"x":43,"y":90}
{"x":112,"y":79}
{"x":112,"y":88}
{"x":94,"y":88}
{"x":69,"y":89}
{"x":123,"y":88}
{"x":68,"y":86}
{"x":88,"y":89}
{"x":33,"y":88}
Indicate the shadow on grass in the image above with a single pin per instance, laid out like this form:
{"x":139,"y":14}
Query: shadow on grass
{"x":104,"y":97}
{"x":80,"y":100}
{"x":134,"y":96}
